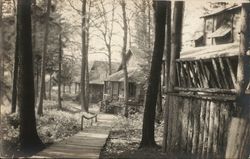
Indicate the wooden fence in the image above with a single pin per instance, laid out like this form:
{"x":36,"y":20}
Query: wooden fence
{"x":201,"y":106}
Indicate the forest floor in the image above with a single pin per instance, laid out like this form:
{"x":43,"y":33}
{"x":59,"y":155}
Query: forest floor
{"x":125,"y":137}
{"x":55,"y":125}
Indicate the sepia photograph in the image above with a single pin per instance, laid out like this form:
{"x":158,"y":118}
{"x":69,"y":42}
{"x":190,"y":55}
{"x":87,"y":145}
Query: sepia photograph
{"x":125,"y":79}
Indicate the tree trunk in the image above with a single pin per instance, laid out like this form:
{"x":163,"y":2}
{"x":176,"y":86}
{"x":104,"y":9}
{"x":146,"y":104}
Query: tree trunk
{"x":239,"y":130}
{"x":50,"y":85}
{"x":83,"y":69}
{"x":124,"y":62}
{"x":34,"y":30}
{"x":87,"y":86}
{"x":148,"y":139}
{"x":45,"y":47}
{"x":37,"y":81}
{"x":59,"y":73}
{"x":15,"y":74}
{"x":109,"y":60}
{"x":149,"y":25}
{"x":29,"y":140}
{"x":1,"y":73}
{"x":75,"y":87}
{"x":159,"y":105}
{"x":87,"y":65}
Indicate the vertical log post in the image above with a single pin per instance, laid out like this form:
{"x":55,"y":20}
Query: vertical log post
{"x":167,"y":53}
{"x":176,"y":40}
{"x":239,"y":130}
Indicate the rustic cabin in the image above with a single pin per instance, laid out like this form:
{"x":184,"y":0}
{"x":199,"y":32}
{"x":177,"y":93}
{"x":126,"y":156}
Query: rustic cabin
{"x":202,"y":88}
{"x":222,"y":26}
{"x":98,"y":72}
{"x":114,"y":84}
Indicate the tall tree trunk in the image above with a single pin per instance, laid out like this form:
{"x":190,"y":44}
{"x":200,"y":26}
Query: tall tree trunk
{"x":34,"y":30}
{"x":45,"y":47}
{"x":109,"y":60}
{"x":37,"y":81}
{"x":75,"y":87}
{"x":239,"y":131}
{"x":167,"y":53}
{"x":59,"y":73}
{"x":87,"y":86}
{"x":87,"y":62}
{"x":50,"y":85}
{"x":83,"y":69}
{"x":15,"y":74}
{"x":159,"y":105}
{"x":1,"y":73}
{"x":149,"y":25}
{"x":148,"y":139}
{"x":64,"y":89}
{"x":124,"y":62}
{"x":29,"y":140}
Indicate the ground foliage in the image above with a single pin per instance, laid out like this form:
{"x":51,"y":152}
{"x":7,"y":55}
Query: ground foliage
{"x":55,"y":125}
{"x":125,"y":138}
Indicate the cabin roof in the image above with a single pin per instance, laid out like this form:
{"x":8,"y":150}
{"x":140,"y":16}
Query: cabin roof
{"x":223,"y":10}
{"x":134,"y":75}
{"x":134,"y":58}
{"x":206,"y":52}
{"x":99,"y":71}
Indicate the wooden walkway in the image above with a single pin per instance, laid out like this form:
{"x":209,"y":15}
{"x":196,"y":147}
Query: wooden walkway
{"x":87,"y":144}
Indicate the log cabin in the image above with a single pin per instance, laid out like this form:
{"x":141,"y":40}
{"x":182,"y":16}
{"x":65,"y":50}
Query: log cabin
{"x":114,"y":84}
{"x":203,"y":95}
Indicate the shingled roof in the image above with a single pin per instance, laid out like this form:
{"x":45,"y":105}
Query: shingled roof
{"x":99,"y":71}
{"x":134,"y":75}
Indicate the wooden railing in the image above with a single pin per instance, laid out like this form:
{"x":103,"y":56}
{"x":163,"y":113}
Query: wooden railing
{"x":92,"y":118}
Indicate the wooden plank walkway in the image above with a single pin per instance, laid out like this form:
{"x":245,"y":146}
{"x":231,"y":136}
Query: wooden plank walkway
{"x":87,"y":144}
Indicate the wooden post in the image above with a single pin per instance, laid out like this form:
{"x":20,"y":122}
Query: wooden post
{"x":167,"y":53}
{"x":176,"y":40}
{"x":239,"y":130}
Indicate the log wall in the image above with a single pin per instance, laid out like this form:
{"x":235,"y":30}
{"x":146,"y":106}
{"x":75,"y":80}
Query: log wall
{"x":198,"y":127}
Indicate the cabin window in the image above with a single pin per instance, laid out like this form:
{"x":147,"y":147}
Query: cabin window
{"x":131,"y":89}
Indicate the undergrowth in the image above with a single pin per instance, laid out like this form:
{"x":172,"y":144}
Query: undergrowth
{"x":55,"y":125}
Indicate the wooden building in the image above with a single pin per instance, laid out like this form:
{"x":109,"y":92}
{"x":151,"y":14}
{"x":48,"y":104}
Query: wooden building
{"x":97,"y":74}
{"x":203,"y":92}
{"x":114,"y":84}
{"x":222,"y":26}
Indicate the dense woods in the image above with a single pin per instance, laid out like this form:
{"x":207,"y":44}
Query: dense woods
{"x":134,"y":79}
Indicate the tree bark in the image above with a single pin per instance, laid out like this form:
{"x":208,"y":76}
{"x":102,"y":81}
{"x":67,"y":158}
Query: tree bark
{"x":50,"y":85}
{"x":87,"y":62}
{"x":239,"y":131}
{"x":59,"y":73}
{"x":34,"y":30}
{"x":83,"y":69}
{"x":148,"y":139}
{"x":29,"y":140}
{"x":124,"y":62}
{"x":159,"y":105}
{"x":1,"y":73}
{"x":45,"y":50}
{"x":15,"y":74}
